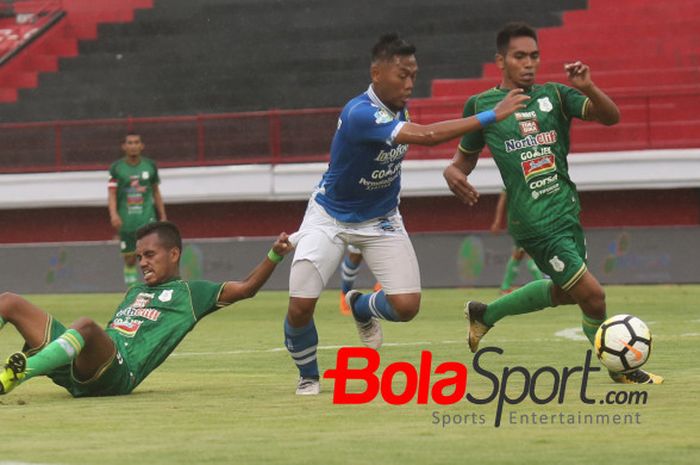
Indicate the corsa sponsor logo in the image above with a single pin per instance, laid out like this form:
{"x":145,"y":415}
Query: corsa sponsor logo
{"x":543,"y":138}
{"x":544,"y":186}
{"x":511,"y":386}
{"x":540,"y":183}
{"x":538,"y":166}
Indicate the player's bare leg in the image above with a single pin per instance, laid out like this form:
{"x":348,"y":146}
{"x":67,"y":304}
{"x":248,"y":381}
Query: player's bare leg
{"x":590,"y":297}
{"x":30,"y":321}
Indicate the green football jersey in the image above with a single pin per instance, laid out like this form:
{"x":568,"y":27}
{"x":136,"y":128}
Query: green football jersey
{"x":151,"y":321}
{"x":530,"y":149}
{"x":134,"y":184}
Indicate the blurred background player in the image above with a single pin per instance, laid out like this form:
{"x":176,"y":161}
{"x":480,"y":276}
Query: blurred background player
{"x":151,"y":321}
{"x":349,"y":269}
{"x":356,"y":203}
{"x":134,"y":199}
{"x":530,"y":150}
{"x":518,"y":255}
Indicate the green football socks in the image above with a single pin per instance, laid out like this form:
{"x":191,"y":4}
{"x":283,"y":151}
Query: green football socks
{"x":590,"y":326}
{"x":511,"y":273}
{"x":60,"y":352}
{"x":532,"y":297}
{"x":534,"y":270}
{"x":131,"y":275}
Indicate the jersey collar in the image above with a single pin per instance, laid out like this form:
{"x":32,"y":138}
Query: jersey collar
{"x":373,"y":97}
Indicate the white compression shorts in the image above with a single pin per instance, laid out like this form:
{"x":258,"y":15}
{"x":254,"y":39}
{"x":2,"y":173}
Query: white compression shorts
{"x":321,"y":241}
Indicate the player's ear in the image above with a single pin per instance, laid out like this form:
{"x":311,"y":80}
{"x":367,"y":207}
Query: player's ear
{"x":175,"y":254}
{"x":375,"y":71}
{"x":500,"y":61}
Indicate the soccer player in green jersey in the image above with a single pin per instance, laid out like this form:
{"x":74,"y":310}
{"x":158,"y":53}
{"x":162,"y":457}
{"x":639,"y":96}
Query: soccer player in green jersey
{"x":518,"y":255}
{"x":134,"y":199}
{"x":530,"y":149}
{"x":153,"y":318}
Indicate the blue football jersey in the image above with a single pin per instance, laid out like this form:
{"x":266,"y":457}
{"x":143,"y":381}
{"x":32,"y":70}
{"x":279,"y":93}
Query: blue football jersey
{"x":363,"y":179}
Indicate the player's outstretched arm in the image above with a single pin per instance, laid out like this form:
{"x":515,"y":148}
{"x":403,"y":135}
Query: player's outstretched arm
{"x":500,"y":213}
{"x":456,"y":176}
{"x":114,"y":217}
{"x":234,"y":291}
{"x":602,"y":108}
{"x":437,"y":133}
{"x":158,"y":202}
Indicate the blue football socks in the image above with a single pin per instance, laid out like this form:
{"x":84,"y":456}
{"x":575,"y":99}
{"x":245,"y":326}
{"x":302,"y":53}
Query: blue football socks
{"x":301,"y":344}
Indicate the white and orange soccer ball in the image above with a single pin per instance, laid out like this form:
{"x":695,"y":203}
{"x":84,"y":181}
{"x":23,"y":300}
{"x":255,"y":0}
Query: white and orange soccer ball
{"x":623,"y":343}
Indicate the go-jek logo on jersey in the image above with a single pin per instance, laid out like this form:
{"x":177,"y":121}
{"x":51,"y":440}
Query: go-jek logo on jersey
{"x":544,"y":385}
{"x":538,"y":166}
{"x":543,"y":138}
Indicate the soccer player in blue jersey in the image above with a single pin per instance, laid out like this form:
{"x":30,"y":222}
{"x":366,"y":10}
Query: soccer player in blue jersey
{"x":356,"y":203}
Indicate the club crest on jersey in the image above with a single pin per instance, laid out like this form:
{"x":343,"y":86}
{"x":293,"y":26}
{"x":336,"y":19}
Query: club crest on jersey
{"x":381,"y":116}
{"x":538,"y":166}
{"x":166,"y":295}
{"x":545,"y":104}
{"x":145,"y":175}
{"x":557,"y":264}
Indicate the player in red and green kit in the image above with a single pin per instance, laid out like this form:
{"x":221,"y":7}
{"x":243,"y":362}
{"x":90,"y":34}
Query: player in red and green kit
{"x":134,"y":199}
{"x":150,"y":322}
{"x":530,"y":149}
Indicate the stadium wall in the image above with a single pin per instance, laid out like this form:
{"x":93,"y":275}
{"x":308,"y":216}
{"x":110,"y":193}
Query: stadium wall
{"x":647,"y":188}
{"x":469,"y":259}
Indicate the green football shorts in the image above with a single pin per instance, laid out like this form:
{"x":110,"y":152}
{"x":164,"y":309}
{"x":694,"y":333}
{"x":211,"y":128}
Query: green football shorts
{"x":561,"y":255}
{"x":113,"y":379}
{"x":127,"y":242}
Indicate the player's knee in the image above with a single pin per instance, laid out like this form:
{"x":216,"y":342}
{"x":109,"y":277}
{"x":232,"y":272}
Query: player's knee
{"x":300,"y":311}
{"x":86,"y":327}
{"x":596,"y":298}
{"x":405,"y":306}
{"x":9,"y":304}
{"x":561,"y":297}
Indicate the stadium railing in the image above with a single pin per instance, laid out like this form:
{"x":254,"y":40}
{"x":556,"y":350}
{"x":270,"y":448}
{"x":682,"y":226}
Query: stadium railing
{"x":297,"y":136}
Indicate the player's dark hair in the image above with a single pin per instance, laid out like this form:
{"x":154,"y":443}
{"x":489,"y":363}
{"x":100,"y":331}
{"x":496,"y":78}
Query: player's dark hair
{"x":511,"y":31}
{"x":391,"y":45}
{"x":131,"y":133}
{"x":168,"y":233}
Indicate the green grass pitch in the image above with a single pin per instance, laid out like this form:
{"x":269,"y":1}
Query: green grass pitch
{"x":226,"y":395}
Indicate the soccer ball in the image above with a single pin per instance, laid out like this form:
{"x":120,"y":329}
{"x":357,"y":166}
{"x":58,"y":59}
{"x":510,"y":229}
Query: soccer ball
{"x":623,"y":343}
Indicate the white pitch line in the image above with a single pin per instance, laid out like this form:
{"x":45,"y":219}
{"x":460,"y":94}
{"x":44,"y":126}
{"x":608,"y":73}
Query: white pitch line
{"x":283,"y":349}
{"x":573,"y":334}
{"x":24,"y":463}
